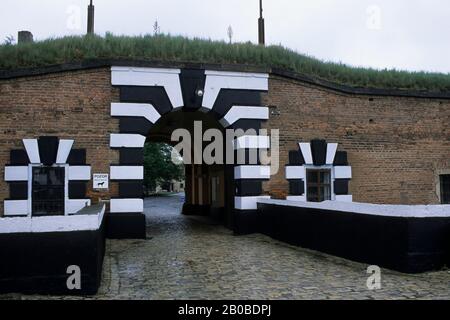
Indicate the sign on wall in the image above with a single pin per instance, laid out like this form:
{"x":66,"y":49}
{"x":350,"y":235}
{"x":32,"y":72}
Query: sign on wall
{"x":101,"y":181}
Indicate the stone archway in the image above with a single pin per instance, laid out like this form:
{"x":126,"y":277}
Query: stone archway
{"x":149,"y":94}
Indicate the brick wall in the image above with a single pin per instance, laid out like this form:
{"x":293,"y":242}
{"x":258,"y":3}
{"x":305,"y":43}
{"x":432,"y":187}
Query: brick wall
{"x":72,"y":105}
{"x":396,"y":146}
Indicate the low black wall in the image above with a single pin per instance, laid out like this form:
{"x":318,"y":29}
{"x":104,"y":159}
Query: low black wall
{"x":125,"y":226}
{"x":410,"y":245}
{"x":36,"y":263}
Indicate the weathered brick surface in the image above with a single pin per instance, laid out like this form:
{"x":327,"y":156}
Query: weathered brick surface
{"x":72,"y":105}
{"x":396,"y":146}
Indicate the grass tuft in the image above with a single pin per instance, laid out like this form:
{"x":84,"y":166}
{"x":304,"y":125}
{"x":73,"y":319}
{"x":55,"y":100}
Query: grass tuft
{"x":181,"y":49}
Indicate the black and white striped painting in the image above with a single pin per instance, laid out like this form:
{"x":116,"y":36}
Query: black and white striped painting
{"x":147,"y":94}
{"x":318,"y":154}
{"x":46,"y":151}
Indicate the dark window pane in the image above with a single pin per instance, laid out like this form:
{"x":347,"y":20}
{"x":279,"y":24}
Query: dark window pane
{"x":325,"y":177}
{"x":48,"y":191}
{"x":313,"y":194}
{"x":445,"y":189}
{"x":312,"y":176}
{"x":318,"y":185}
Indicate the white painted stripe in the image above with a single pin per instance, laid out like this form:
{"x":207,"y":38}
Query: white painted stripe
{"x":80,"y":173}
{"x":248,"y":203}
{"x":342,"y":172}
{"x":127,"y":205}
{"x":52,"y":223}
{"x":252,"y":172}
{"x":217,"y":80}
{"x":167,"y":78}
{"x":296,"y":198}
{"x":295,"y":172}
{"x":331,"y":152}
{"x":306,"y":152}
{"x":16,"y":173}
{"x":15,"y":225}
{"x":75,"y":205}
{"x":32,"y":148}
{"x":119,"y":140}
{"x":16,"y":207}
{"x":344,"y":198}
{"x":252,"y":142}
{"x":144,"y":110}
{"x":243,"y":112}
{"x":64,"y":148}
{"x":387,"y":210}
{"x":127,"y":172}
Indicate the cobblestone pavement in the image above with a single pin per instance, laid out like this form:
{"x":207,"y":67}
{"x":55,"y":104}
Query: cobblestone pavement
{"x":193,"y":258}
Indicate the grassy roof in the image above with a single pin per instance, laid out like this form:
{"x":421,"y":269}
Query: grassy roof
{"x":180,"y":49}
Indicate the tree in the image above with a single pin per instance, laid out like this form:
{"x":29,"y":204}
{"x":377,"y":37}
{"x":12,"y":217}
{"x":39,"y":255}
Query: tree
{"x":158,"y":166}
{"x":9,"y":40}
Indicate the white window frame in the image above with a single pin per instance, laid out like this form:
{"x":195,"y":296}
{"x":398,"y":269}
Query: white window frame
{"x":324,"y":167}
{"x":30,"y":186}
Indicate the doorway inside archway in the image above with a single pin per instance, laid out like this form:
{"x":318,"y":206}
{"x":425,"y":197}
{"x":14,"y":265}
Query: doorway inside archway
{"x":208,"y":188}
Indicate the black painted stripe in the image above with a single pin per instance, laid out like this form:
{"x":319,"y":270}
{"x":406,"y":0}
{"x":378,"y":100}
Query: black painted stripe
{"x":131,"y":156}
{"x":135,"y":125}
{"x":247,"y":188}
{"x":247,"y":124}
{"x":319,"y":152}
{"x":248,"y":156}
{"x":18,"y":158}
{"x":77,"y":157}
{"x":341,"y":158}
{"x":296,"y":158}
{"x":131,"y":189}
{"x":191,"y":81}
{"x":228,"y":98}
{"x":77,"y":189}
{"x":18,"y":190}
{"x":341,"y":186}
{"x":296,"y":187}
{"x":48,"y":149}
{"x":156,"y":96}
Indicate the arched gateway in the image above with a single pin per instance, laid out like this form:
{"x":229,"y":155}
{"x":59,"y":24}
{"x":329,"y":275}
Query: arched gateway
{"x":73,"y":136}
{"x":149,"y":95}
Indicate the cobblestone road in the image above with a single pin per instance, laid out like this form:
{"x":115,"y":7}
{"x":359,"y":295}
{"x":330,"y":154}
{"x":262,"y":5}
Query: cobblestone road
{"x":192,"y":258}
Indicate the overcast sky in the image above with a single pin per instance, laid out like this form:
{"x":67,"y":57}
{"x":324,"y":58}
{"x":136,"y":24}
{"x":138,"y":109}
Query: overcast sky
{"x":401,"y":34}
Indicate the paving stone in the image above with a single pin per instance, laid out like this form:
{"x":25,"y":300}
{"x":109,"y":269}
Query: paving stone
{"x":192,"y":258}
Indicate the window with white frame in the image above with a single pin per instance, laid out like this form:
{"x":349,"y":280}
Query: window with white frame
{"x":318,"y":185}
{"x":48,"y":190}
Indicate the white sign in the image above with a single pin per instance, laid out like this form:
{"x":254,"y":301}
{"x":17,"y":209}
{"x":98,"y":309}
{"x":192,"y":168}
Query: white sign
{"x":101,"y":181}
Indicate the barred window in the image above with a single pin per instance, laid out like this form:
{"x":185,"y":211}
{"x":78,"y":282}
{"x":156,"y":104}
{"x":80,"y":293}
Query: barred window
{"x":318,"y":183}
{"x":48,"y":191}
{"x":445,"y":188}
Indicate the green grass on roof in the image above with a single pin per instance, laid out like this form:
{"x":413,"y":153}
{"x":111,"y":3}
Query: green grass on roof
{"x":181,"y":49}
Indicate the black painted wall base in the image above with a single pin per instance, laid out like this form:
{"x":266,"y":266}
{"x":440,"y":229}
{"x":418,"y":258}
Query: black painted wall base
{"x":36,"y":263}
{"x":410,"y":245}
{"x":245,"y":222}
{"x":125,"y":226}
{"x":196,"y":209}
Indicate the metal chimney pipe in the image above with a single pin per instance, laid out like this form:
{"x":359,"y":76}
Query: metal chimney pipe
{"x":90,"y":24}
{"x":24,"y":37}
{"x":261,"y":27}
